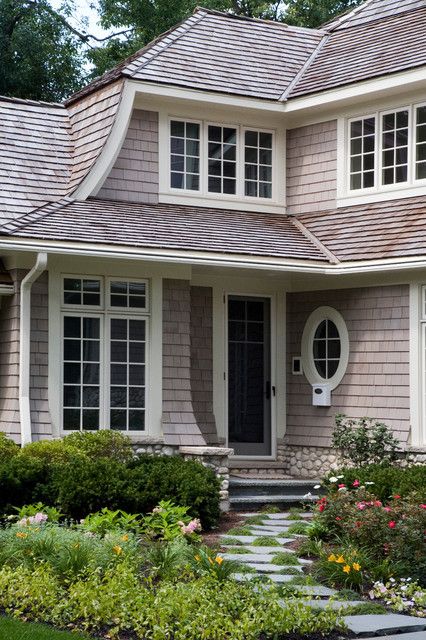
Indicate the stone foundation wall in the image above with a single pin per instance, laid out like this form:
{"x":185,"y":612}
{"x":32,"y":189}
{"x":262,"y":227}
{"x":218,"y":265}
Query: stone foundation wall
{"x":215,"y":458}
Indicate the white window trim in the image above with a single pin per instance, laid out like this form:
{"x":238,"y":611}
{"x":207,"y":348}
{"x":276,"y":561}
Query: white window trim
{"x":308,"y":364}
{"x":130,"y":310}
{"x":413,"y":187}
{"x":203,"y":197}
{"x":87,"y":307}
{"x":104,"y":312}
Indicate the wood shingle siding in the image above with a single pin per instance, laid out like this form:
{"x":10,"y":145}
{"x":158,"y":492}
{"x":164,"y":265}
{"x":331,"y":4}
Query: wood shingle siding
{"x":311,"y":167}
{"x":376,"y":383}
{"x":134,"y":177}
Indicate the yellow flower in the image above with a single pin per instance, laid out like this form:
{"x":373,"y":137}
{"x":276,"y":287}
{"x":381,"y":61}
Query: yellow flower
{"x":21,"y":535}
{"x":346,"y":568}
{"x":197,"y":558}
{"x":332,"y":558}
{"x":117,"y":549}
{"x":356,"y":566}
{"x":219,"y":560}
{"x":125,"y":537}
{"x":340,"y":560}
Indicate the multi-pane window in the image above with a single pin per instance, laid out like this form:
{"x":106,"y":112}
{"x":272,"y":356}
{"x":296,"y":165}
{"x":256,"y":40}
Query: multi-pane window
{"x":395,"y":147}
{"x":258,"y":164}
{"x":104,"y":356}
{"x":326,"y":349}
{"x":387,"y":148}
{"x":421,"y":143}
{"x":82,"y":291}
{"x":185,"y":155}
{"x":362,"y":151}
{"x":220,"y":159}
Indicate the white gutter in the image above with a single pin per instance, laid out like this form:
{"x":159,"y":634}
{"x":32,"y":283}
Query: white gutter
{"x":25,"y":346}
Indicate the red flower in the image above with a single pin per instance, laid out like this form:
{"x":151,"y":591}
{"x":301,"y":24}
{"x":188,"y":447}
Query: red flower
{"x":338,"y":518}
{"x":392,"y":524}
{"x":341,"y":486}
{"x":387,"y":509}
{"x":423,"y":506}
{"x":396,"y":497}
{"x":321,"y":508}
{"x":377,"y":503}
{"x":356,"y":483}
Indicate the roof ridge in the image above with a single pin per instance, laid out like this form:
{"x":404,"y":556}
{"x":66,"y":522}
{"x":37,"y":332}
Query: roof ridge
{"x":339,"y":19}
{"x":236,"y":16}
{"x":373,"y":20}
{"x":58,"y":105}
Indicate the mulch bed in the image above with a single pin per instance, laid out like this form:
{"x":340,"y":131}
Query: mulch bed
{"x":335,"y":635}
{"x":227,"y":521}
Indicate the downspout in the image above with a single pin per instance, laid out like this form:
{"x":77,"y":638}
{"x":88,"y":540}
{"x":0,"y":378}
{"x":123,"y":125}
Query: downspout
{"x":25,"y":346}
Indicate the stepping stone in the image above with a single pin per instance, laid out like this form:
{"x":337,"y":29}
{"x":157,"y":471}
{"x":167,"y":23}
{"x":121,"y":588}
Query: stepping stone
{"x":262,"y":550}
{"x":283,"y":516}
{"x":271,"y":568}
{"x":268,"y":530}
{"x":243,"y":539}
{"x":259,"y":558}
{"x":332,"y":604}
{"x":316,"y":590}
{"x":278,"y":578}
{"x":279,"y":523}
{"x":419,"y":635}
{"x":380,"y":625}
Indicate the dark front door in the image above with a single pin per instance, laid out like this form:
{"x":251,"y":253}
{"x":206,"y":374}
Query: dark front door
{"x":249,"y":375}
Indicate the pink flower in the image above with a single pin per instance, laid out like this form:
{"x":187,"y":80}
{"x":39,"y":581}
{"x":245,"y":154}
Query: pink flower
{"x":341,"y":486}
{"x":356,"y":483}
{"x":191,"y":527}
{"x":377,"y":503}
{"x":423,"y":506}
{"x":392,"y":524}
{"x":387,"y":509}
{"x":361,"y":506}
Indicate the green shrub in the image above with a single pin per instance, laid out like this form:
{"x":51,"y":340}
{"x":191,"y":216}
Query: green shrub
{"x":384,"y":481}
{"x":8,"y":448}
{"x":50,"y":452}
{"x":299,"y":528}
{"x":168,"y":521}
{"x":30,"y":510}
{"x":363,"y":441}
{"x":101,"y":444}
{"x":25,"y":481}
{"x":105,"y":521}
{"x":187,"y":483}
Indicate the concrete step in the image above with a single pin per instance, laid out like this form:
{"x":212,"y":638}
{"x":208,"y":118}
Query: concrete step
{"x":380,"y":625}
{"x":245,"y":502}
{"x":270,"y":487}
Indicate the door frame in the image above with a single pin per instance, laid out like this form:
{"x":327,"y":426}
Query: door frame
{"x":273,"y":347}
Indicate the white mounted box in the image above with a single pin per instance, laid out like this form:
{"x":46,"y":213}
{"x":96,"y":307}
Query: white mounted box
{"x":321,"y":395}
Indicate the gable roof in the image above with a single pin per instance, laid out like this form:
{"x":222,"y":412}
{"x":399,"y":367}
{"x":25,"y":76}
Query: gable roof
{"x":372,"y":10}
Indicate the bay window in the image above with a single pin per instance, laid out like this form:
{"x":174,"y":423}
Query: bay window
{"x":104,"y":355}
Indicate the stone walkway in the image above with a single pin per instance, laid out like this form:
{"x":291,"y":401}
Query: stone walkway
{"x":286,"y":569}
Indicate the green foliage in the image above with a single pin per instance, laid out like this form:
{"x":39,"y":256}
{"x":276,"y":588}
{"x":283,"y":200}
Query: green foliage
{"x":86,"y":472}
{"x":293,"y":514}
{"x":40,"y":57}
{"x":106,"y":521}
{"x":254,"y":520}
{"x":240,"y":531}
{"x":168,"y":521}
{"x":231,"y":541}
{"x":167,"y":560}
{"x":363,"y":441}
{"x":265,"y":541}
{"x":270,"y":508}
{"x":285,"y":558}
{"x":344,"y":568}
{"x":386,"y":481}
{"x":125,"y":605}
{"x":299,"y":528}
{"x":66,"y":551}
{"x":206,"y":561}
{"x":8,"y":448}
{"x":30,"y":510}
{"x":403,"y":596}
{"x":313,"y":13}
{"x":365,"y":609}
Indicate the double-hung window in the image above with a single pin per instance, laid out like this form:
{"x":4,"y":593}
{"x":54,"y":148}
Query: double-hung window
{"x":386,"y":150}
{"x":104,"y":353}
{"x":210,"y":159}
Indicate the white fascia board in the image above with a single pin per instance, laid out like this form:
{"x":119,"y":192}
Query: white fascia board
{"x":403,"y":81}
{"x":201,"y":96}
{"x":213,"y":259}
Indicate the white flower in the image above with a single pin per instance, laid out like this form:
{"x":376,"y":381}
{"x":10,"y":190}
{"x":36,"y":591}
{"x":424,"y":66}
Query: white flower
{"x":340,"y":477}
{"x":369,"y":483}
{"x":332,"y":479}
{"x":307,"y":495}
{"x":317,"y":486}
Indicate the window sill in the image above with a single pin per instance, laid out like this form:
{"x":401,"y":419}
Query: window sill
{"x":220,"y":202}
{"x":384,"y":195}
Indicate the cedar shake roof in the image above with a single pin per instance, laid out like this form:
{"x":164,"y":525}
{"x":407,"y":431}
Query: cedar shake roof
{"x":165,"y":226}
{"x":46,"y":150}
{"x":372,"y":231}
{"x":369,"y":49}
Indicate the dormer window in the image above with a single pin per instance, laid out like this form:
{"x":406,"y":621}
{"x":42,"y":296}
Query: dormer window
{"x":210,"y":158}
{"x":386,"y":151}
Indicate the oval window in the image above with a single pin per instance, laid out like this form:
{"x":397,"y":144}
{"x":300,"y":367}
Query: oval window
{"x":325,"y":347}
